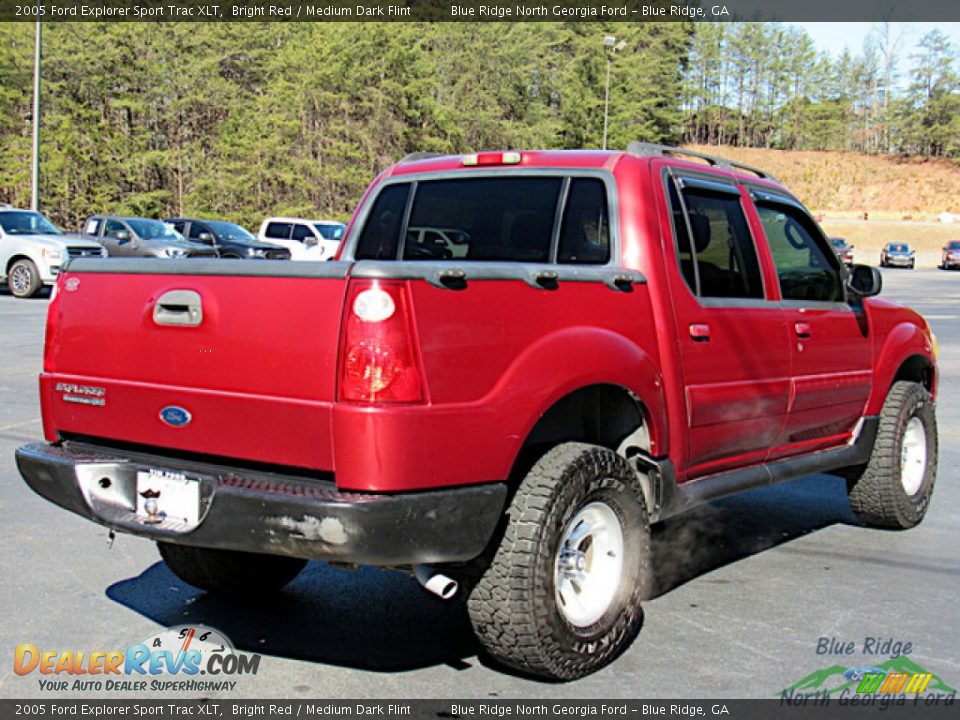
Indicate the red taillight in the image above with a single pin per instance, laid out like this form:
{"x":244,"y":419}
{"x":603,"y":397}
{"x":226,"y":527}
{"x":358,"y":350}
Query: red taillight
{"x":51,"y":336}
{"x":378,"y":357}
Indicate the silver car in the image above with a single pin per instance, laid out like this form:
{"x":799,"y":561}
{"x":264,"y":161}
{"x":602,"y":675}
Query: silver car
{"x":897,"y":255}
{"x":141,"y":237}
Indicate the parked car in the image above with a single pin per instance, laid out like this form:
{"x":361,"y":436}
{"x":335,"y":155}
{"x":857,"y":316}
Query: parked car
{"x":228,"y":239}
{"x":448,"y":242}
{"x":305,"y":239}
{"x":950,"y":255}
{"x":32,"y":250}
{"x":897,"y":255}
{"x":843,"y":249}
{"x":141,"y":237}
{"x":619,"y":344}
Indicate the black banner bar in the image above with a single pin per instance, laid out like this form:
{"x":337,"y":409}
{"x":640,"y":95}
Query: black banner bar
{"x":476,"y":10}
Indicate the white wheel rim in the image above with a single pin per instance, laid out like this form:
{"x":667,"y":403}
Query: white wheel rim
{"x":913,"y":456}
{"x":588,"y":564}
{"x":20,"y":278}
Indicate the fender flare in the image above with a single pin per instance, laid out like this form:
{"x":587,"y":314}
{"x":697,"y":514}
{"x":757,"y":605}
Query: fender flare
{"x":904,"y":341}
{"x":529,"y":387}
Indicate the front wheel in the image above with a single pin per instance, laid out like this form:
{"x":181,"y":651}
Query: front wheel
{"x":24,"y":279}
{"x":893,"y":489}
{"x":229,"y":572}
{"x":561,"y":597}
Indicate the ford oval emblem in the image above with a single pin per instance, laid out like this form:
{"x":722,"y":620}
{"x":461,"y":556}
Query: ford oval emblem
{"x":175,"y":416}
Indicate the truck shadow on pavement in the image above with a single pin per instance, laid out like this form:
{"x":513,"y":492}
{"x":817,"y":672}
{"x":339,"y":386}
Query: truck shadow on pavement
{"x":722,"y":532}
{"x":384,"y":621}
{"x":369,"y":619}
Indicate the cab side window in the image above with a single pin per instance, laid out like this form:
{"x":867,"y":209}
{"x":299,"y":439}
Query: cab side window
{"x":280,"y":231}
{"x":302,"y":233}
{"x":806,"y":267}
{"x":721,"y":261}
{"x":196,"y":229}
{"x":112,"y":228}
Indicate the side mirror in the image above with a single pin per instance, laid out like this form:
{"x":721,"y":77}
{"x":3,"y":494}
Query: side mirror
{"x":122,"y":235}
{"x":205,"y":237}
{"x":865,"y":280}
{"x":310,"y":241}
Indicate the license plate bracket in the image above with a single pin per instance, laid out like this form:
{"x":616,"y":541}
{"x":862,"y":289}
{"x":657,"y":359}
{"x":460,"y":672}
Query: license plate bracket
{"x":166,"y":495}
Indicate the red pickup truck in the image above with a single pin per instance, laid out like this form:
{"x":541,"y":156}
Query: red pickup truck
{"x":519,"y":362}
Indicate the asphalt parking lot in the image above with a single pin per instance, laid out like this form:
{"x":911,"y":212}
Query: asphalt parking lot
{"x":747,"y":587}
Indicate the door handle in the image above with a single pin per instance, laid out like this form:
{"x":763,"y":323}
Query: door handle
{"x":700,"y":332}
{"x":179,"y":307}
{"x":802,"y":329}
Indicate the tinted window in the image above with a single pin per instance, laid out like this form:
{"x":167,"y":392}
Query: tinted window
{"x":21,"y":222}
{"x":195,"y":231}
{"x":330,"y":231}
{"x":280,"y":231}
{"x":807,"y":269}
{"x":153,"y":229}
{"x":112,"y":228}
{"x":301,"y":233}
{"x":722,"y":250}
{"x":381,"y":232}
{"x":504,"y":218}
{"x":682,"y":239}
{"x":585,"y":231}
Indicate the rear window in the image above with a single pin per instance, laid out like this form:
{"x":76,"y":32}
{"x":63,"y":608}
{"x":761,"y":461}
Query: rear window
{"x":506,"y":219}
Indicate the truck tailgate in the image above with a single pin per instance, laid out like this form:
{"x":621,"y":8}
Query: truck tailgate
{"x":235,"y":358}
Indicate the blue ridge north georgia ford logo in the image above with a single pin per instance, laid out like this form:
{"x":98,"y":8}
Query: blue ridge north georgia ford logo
{"x":175,"y":416}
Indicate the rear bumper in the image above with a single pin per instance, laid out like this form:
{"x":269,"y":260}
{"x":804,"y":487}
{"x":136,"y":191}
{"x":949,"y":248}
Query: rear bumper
{"x":257,"y":511}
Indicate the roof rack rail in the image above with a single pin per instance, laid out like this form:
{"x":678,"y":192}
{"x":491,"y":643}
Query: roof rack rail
{"x":644,"y":149}
{"x":412,"y":157}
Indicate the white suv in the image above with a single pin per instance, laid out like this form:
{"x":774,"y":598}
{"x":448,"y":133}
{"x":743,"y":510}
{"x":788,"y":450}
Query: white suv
{"x":305,"y":239}
{"x":32,"y":249}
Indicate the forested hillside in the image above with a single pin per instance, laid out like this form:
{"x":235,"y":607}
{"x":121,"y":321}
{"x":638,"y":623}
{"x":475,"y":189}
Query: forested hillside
{"x":241,"y":120}
{"x":244,"y":120}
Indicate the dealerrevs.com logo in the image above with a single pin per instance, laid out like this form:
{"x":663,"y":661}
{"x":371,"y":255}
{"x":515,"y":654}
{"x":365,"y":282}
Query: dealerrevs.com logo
{"x":190,"y":658}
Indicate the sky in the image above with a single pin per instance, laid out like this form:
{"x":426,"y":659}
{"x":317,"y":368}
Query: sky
{"x":834,"y":36}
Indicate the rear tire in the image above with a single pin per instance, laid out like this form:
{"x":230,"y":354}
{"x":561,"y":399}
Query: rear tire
{"x":894,"y":488}
{"x":561,"y":597}
{"x":24,"y":279}
{"x":229,"y":572}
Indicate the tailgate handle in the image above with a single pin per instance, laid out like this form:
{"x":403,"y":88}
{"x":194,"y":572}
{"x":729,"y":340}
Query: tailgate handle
{"x":179,"y":307}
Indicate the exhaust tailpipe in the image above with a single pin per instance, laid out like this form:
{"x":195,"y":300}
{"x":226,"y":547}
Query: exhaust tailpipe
{"x":437,"y":583}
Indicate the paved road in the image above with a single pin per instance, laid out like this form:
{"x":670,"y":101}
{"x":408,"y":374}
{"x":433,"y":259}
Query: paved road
{"x":747,"y":585}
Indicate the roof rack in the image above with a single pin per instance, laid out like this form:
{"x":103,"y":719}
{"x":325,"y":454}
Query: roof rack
{"x":414,"y":156}
{"x":643,"y":149}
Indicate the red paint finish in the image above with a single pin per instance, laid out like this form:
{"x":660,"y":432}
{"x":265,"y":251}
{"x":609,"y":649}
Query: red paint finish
{"x":264,"y":377}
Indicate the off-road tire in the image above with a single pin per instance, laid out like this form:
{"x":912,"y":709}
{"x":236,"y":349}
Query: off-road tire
{"x":24,"y":279}
{"x":513,"y":606}
{"x":229,"y":572}
{"x":877,"y":495}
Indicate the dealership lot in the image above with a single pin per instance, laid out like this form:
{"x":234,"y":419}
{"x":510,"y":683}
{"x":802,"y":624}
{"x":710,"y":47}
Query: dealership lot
{"x":747,"y":587}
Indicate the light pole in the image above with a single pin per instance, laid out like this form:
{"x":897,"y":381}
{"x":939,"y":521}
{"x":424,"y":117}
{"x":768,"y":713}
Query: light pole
{"x":35,"y":162}
{"x":612,"y":46}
